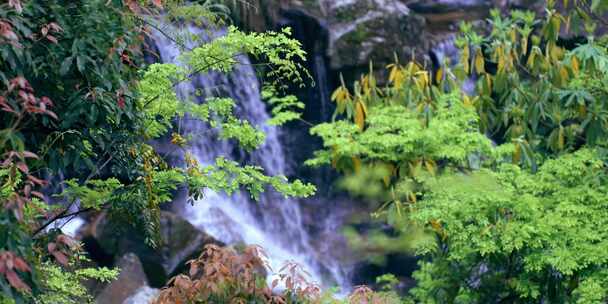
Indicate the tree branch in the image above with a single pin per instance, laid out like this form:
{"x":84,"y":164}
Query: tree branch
{"x":189,"y":76}
{"x":65,"y":214}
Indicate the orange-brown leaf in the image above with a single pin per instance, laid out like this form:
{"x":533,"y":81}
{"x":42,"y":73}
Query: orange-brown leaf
{"x":16,"y":281}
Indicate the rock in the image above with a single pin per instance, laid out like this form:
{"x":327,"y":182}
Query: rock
{"x":180,"y":242}
{"x":400,"y":265}
{"x":358,"y":31}
{"x":129,"y":281}
{"x":443,"y":16}
{"x":445,"y":6}
{"x":364,"y":30}
{"x":143,"y":295}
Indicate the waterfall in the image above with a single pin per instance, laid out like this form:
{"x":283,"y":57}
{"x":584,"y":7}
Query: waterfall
{"x":274,"y":223}
{"x":446,"y":50}
{"x":322,"y":81}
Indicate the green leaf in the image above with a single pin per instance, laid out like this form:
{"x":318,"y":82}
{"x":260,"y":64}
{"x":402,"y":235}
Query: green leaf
{"x":65,"y":66}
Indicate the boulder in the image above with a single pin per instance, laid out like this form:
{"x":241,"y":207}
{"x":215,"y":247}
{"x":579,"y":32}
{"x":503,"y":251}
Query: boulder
{"x":131,"y":278}
{"x":360,"y":30}
{"x":401,"y":266}
{"x":364,"y":30}
{"x":180,"y":242}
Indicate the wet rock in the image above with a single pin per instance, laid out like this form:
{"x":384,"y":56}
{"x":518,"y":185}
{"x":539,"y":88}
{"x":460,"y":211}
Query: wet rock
{"x":445,"y":6}
{"x":356,"y":30}
{"x":180,"y":242}
{"x":376,"y":30}
{"x":443,"y":16}
{"x":401,"y":266}
{"x":131,"y":278}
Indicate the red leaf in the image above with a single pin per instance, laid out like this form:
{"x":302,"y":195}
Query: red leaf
{"x":21,"y":265}
{"x":60,"y":257}
{"x":38,"y":195}
{"x":133,"y":6}
{"x":8,"y":34}
{"x":51,"y":39}
{"x":24,"y":96}
{"x":21,"y":83}
{"x":27,"y":190}
{"x":36,"y":180}
{"x":55,"y":27}
{"x":16,"y":282}
{"x":121,"y":102}
{"x":52,"y":114}
{"x":158,"y":3}
{"x":6,"y":108}
{"x":66,"y":240}
{"x":23,"y":167}
{"x":28,"y":154}
{"x":51,"y":247}
{"x":47,"y":101}
{"x":16,"y":4}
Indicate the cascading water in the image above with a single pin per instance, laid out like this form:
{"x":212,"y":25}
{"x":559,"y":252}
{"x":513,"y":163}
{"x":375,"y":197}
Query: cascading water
{"x":274,"y":223}
{"x":446,"y":50}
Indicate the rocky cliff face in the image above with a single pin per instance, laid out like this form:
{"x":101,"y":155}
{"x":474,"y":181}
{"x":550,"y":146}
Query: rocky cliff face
{"x":357,"y":31}
{"x":378,"y":29}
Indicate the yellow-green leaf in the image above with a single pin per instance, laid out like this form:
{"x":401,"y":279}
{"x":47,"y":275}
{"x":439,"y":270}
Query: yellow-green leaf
{"x":360,"y":115}
{"x":479,"y":62}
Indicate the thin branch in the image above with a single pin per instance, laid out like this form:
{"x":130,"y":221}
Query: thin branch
{"x":99,"y":168}
{"x":306,"y":122}
{"x":63,"y":215}
{"x":189,"y":76}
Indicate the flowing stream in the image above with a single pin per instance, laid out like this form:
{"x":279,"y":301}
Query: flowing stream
{"x":274,"y":223}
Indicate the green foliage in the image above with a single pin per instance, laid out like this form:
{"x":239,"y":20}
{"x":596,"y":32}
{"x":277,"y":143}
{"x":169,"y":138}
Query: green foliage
{"x":284,"y":108}
{"x":540,"y":94}
{"x":206,"y":12}
{"x":516,"y":235}
{"x":231,"y":127}
{"x":502,"y":192}
{"x":77,"y":100}
{"x":77,"y":62}
{"x":227,"y":176}
{"x":397,"y":134}
{"x":160,"y":103}
{"x":94,"y":194}
{"x":391,"y":159}
{"x":61,"y":286}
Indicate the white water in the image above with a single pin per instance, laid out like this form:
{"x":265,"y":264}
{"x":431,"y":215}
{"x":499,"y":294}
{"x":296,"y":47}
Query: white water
{"x":274,"y":223}
{"x":446,"y":50}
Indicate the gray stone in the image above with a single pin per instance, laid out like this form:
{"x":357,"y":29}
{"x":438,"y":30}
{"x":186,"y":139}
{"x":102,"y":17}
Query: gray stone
{"x":180,"y":242}
{"x":130,"y":279}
